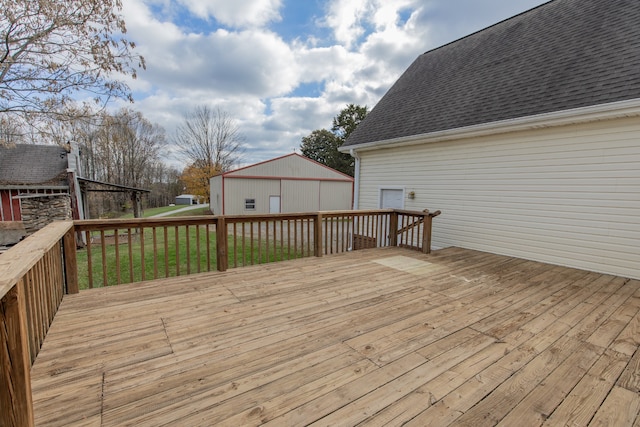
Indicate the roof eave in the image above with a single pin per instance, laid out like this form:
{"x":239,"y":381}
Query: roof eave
{"x":621,"y":109}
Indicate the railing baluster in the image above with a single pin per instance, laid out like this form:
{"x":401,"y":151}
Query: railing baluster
{"x":166,"y":251}
{"x":208,"y":239}
{"x":104,"y":258}
{"x":235,"y":245}
{"x":188,"y":248}
{"x":130,"y":251}
{"x":143,"y":264}
{"x":198,"y":246}
{"x":155,"y":252}
{"x":89,"y":258}
{"x":177,"y":246}
{"x":259,"y":241}
{"x":275,"y":255}
{"x":244,"y":253}
{"x":116,"y":242}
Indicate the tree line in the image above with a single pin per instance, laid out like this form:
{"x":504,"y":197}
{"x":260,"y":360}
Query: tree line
{"x":51,"y":51}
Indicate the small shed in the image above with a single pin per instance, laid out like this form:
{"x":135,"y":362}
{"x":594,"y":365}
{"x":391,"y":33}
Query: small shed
{"x":291,"y":183}
{"x":44,"y":183}
{"x":187,"y":199}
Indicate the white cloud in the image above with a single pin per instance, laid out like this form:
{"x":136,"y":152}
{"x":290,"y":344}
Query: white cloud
{"x":236,"y":13}
{"x":254,"y":74}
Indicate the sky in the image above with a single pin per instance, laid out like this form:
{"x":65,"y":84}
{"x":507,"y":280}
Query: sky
{"x":283,"y":68}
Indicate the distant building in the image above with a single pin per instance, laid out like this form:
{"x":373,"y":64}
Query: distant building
{"x":44,"y":183}
{"x":187,"y":199}
{"x":291,"y":183}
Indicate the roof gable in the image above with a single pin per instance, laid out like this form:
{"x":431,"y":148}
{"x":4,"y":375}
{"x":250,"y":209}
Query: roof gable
{"x":25,"y":164}
{"x":562,"y":55}
{"x":289,"y":166}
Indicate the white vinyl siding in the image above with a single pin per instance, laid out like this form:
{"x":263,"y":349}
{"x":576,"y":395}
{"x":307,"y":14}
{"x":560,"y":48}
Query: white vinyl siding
{"x":567,"y":196}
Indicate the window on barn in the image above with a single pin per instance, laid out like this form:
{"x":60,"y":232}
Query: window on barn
{"x":250,"y":204}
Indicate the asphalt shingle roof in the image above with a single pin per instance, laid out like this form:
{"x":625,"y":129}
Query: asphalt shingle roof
{"x":561,"y":55}
{"x":25,"y":164}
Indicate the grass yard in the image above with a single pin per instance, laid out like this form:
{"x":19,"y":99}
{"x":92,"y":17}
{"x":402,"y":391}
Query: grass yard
{"x":179,"y":258}
{"x":193,"y":212}
{"x":146,"y":213}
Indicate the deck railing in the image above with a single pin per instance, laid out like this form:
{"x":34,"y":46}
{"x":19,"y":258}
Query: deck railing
{"x":36,"y":273}
{"x":124,"y":251}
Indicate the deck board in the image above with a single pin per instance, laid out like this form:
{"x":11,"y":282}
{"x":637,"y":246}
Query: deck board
{"x":373,"y":337}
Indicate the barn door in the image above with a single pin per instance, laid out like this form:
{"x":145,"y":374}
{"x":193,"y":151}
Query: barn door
{"x":274,"y":204}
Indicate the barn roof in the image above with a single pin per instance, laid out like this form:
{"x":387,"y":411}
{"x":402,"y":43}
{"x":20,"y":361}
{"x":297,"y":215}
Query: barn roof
{"x":26,"y":164}
{"x":562,"y":55}
{"x":291,"y":165}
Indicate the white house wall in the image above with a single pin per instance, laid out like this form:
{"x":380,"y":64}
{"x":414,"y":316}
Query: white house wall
{"x":568,"y":196}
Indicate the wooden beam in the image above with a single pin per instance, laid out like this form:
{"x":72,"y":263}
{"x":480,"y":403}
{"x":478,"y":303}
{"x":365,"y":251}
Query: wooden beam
{"x":221,"y":244}
{"x":393,"y":229}
{"x":70,"y":261}
{"x":317,"y":235}
{"x":426,"y":235}
{"x":16,"y":404}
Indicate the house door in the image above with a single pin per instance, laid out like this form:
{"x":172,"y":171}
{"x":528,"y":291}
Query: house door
{"x":274,"y":204}
{"x":391,"y":198}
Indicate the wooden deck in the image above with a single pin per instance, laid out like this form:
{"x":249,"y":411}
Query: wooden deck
{"x":378,"y":337}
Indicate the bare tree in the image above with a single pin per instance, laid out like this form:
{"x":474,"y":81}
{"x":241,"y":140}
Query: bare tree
{"x":209,"y":138}
{"x":10,"y":132}
{"x":50,"y":49}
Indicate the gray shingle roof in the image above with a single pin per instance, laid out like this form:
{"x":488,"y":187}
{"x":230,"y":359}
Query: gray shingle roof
{"x":561,"y":55}
{"x":25,"y":164}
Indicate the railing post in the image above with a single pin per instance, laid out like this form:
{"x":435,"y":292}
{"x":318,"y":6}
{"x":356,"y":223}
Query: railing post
{"x":16,"y":404}
{"x":317,"y":235}
{"x":426,"y":234}
{"x":221,"y":244}
{"x":71,"y":261}
{"x":393,"y":229}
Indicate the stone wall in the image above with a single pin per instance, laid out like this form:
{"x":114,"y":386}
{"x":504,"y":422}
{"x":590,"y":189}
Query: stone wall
{"x":39,"y":211}
{"x":11,"y":232}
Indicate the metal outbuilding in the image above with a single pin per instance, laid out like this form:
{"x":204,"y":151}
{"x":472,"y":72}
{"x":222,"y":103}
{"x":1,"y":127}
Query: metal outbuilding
{"x":291,"y":183}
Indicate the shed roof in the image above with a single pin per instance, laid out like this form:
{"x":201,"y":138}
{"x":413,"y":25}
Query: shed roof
{"x":292,"y":166}
{"x":26,"y":164}
{"x":562,"y":55}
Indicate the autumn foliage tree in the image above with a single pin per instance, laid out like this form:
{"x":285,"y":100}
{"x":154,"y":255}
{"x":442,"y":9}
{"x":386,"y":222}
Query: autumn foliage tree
{"x":196,"y":179}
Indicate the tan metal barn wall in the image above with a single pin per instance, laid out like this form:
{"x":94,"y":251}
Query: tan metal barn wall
{"x":335,"y":195}
{"x":238,"y":190}
{"x":215,"y":195}
{"x":300,"y":196}
{"x":289,"y":166}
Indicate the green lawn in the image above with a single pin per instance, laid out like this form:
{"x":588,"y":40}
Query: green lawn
{"x":178,"y":259}
{"x":154,"y":211}
{"x":193,"y":212}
